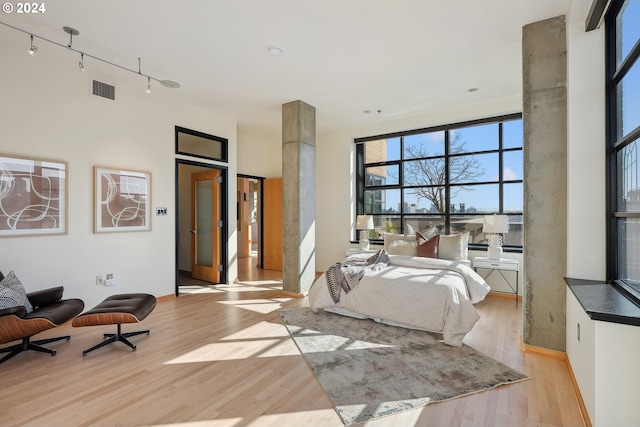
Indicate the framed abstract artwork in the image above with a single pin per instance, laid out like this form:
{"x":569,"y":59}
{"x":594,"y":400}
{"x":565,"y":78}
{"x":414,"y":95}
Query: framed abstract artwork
{"x":122,"y":200}
{"x":33,"y":197}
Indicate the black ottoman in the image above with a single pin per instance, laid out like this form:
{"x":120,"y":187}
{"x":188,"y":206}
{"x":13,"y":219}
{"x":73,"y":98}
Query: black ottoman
{"x":116,"y":310}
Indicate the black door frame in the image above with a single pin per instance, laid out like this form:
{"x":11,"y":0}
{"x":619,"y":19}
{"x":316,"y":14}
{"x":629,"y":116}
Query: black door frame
{"x":260,"y":179}
{"x":224,"y":196}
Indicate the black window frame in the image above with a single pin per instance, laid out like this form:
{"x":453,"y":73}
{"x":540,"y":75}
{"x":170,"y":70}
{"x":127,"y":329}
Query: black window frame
{"x":615,"y":143}
{"x":360,"y":168}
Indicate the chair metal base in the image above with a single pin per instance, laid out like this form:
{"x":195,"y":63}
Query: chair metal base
{"x":27,"y":344}
{"x":118,"y":336}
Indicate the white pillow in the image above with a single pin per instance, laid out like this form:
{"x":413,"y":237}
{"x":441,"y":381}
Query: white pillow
{"x":409,"y":230}
{"x":454,"y":247}
{"x":429,"y":232}
{"x":402,"y":247}
{"x":389,"y":238}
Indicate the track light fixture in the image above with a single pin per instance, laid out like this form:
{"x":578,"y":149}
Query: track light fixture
{"x":33,"y":49}
{"x":73,"y":32}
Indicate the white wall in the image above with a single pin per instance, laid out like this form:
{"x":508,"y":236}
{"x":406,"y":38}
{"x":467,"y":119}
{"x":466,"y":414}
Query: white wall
{"x":586,"y":255}
{"x":46,"y":111}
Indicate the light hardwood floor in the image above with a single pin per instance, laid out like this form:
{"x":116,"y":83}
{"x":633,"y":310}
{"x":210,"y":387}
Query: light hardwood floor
{"x":220,"y":356}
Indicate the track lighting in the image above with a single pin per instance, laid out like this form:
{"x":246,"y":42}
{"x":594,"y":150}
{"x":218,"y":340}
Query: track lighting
{"x":73,"y":32}
{"x":33,"y":49}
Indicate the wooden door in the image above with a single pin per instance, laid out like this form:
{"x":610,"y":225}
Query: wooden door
{"x":206,"y":222}
{"x":272,"y":230}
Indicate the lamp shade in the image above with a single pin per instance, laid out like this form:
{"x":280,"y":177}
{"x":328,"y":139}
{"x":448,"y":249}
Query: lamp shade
{"x":364,"y":222}
{"x":494,"y":224}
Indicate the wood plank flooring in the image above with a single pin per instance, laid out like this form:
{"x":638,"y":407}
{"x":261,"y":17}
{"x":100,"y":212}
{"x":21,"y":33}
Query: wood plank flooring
{"x":220,"y":356}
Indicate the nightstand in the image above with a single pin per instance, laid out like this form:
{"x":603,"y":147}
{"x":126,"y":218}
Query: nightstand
{"x":504,"y":264}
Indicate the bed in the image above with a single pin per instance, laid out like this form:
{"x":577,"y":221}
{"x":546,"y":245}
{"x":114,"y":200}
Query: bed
{"x":416,"y":292}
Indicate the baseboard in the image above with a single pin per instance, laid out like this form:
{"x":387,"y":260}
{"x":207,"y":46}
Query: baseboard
{"x":165,"y":297}
{"x":505,"y":295}
{"x":541,"y":351}
{"x":574,"y":382}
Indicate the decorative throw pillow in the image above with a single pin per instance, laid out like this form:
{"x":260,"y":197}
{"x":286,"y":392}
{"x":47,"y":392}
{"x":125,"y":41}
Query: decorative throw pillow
{"x":402,"y":247}
{"x":12,"y":293}
{"x":389,"y":238}
{"x":429,"y":232}
{"x":409,"y":230}
{"x":454,"y":247}
{"x":427,"y":248}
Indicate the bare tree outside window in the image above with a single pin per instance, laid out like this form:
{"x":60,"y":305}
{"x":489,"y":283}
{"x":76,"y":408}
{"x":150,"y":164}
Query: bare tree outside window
{"x":428,"y":176}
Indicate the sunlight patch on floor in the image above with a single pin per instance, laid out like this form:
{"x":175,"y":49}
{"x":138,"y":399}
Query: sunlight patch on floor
{"x":258,"y":306}
{"x":217,"y":352}
{"x":258,"y":331}
{"x":198,"y":289}
{"x":303,"y":417}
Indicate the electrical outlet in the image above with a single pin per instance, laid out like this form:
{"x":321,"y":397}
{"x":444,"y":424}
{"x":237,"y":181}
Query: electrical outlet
{"x":100,"y":280}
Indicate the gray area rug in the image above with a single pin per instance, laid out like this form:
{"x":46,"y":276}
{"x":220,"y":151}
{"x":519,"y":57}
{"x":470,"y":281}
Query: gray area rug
{"x":371,"y":370}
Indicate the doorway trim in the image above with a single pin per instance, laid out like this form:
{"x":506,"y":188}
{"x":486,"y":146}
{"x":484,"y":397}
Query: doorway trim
{"x":260,"y":179}
{"x":224,"y":196}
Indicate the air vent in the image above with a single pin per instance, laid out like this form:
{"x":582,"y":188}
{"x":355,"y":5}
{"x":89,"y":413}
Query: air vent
{"x":102,"y":89}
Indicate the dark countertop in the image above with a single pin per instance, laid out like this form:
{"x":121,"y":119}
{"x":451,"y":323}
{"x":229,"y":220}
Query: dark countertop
{"x":603,"y":301}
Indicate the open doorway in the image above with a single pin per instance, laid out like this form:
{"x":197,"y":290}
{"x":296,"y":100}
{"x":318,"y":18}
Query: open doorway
{"x":201,"y":224}
{"x":249,"y":222}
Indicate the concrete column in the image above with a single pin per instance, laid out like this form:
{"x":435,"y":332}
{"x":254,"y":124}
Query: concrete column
{"x":545,"y":182}
{"x":298,"y":196}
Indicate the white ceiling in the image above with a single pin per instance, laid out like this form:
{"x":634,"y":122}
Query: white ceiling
{"x":403,"y":57}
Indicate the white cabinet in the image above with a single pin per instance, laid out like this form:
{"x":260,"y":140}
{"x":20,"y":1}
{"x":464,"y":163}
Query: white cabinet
{"x":604,"y":360}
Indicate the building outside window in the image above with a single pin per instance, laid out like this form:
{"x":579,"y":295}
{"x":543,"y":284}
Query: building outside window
{"x":447,"y":177}
{"x":623,"y":133}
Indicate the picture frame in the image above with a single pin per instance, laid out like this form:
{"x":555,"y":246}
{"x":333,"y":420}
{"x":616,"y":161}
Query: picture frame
{"x":122,"y":200}
{"x":33,"y":196}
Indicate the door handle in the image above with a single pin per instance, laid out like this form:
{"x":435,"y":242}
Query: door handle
{"x":192,"y":231}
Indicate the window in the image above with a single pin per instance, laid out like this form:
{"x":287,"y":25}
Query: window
{"x":623,"y":135}
{"x":446,"y":177}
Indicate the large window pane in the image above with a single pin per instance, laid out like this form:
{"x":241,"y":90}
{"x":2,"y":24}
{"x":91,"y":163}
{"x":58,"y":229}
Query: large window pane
{"x":474,"y":168}
{"x":424,"y":200}
{"x":515,"y":236}
{"x":382,"y":175}
{"x":448,"y":178}
{"x":471,"y":224}
{"x":475,"y":198}
{"x":424,"y":172}
{"x":512,"y":134}
{"x":512,"y":165}
{"x":474,"y":138}
{"x":386,"y":224}
{"x":628,"y":101}
{"x":513,"y":197}
{"x":628,"y":179}
{"x":382,"y":150}
{"x":628,"y":29}
{"x":382,"y":201}
{"x":629,"y":251}
{"x":424,"y":145}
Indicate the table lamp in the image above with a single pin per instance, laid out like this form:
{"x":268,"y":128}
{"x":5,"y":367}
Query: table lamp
{"x":495,"y":226}
{"x":364,"y":223}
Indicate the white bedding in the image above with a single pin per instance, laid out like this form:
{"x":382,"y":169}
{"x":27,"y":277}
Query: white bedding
{"x":422,"y":293}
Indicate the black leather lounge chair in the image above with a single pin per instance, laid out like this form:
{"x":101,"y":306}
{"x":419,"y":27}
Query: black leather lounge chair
{"x":49,"y":311}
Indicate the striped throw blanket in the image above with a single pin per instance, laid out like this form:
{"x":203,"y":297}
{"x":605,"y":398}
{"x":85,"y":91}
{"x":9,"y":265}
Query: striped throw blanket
{"x":346,"y":275}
